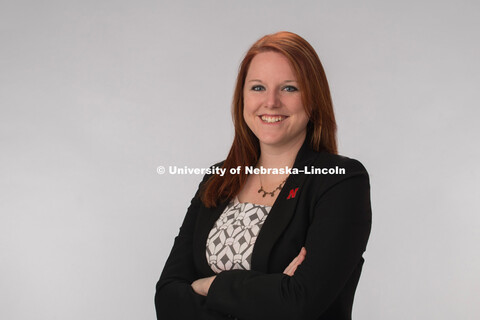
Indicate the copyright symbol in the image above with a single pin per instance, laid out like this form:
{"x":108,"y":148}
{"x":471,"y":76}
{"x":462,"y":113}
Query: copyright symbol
{"x":160,"y":169}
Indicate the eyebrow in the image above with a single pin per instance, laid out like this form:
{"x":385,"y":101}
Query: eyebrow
{"x":261,"y":80}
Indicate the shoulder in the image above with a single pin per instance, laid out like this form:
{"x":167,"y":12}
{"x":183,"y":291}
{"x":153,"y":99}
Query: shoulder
{"x":336,"y":172}
{"x":329,"y":160}
{"x":340,"y":195}
{"x":211,"y":171}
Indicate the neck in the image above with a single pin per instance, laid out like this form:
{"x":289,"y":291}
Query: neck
{"x":280,"y":156}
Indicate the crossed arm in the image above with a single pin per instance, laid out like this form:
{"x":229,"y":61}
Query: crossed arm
{"x":202,"y":285}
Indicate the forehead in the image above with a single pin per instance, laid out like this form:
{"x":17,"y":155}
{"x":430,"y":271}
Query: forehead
{"x":270,"y":64}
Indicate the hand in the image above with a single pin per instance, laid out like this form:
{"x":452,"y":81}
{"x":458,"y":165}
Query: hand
{"x":290,"y":270}
{"x":201,"y":286}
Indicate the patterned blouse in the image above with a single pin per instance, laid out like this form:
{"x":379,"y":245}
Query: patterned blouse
{"x":231,"y":240}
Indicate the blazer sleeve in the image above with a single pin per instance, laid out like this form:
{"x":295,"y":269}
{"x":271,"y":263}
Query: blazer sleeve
{"x":336,"y":238}
{"x":174,"y":297}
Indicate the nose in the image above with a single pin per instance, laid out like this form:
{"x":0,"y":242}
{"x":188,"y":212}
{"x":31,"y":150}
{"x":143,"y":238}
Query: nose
{"x":272,"y":99}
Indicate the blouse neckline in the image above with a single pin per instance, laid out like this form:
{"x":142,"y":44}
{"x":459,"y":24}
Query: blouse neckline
{"x":236,"y":201}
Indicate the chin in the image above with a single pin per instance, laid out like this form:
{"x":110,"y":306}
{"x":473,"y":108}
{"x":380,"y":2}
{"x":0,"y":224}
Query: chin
{"x":272,"y":142}
{"x":278,"y":141}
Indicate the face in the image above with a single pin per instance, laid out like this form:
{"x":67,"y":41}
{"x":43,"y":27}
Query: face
{"x":273,"y":107}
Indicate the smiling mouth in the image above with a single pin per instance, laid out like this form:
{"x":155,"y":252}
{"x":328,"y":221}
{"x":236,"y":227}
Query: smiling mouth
{"x":272,"y":119}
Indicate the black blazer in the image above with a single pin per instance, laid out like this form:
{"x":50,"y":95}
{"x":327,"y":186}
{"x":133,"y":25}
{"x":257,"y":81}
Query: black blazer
{"x":329,"y":214}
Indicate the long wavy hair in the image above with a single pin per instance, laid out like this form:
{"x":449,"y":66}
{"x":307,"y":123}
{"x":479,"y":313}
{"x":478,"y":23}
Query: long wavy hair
{"x":316,"y":99}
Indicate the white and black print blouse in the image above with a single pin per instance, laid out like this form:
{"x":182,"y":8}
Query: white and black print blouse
{"x":231,"y":240}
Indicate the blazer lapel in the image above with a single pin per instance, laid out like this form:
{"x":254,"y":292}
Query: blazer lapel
{"x":282,"y":211}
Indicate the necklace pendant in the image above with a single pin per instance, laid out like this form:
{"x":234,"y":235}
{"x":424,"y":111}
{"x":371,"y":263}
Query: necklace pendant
{"x":271,"y":193}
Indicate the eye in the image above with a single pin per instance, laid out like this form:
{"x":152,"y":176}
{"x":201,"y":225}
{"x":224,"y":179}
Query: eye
{"x":290,"y":88}
{"x":257,"y":88}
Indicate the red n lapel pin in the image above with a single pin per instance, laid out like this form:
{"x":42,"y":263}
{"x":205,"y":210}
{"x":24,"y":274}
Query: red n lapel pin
{"x":292,"y":193}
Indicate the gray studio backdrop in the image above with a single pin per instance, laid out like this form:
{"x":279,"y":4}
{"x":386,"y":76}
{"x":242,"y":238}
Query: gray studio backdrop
{"x":95,"y":95}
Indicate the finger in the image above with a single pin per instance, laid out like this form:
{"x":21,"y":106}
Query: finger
{"x":300,"y":260}
{"x":294,"y":269}
{"x":293,"y":262}
{"x":303,"y":251}
{"x":295,"y":266}
{"x":288,"y":270}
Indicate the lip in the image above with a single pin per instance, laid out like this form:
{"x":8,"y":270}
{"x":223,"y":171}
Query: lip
{"x":272,"y":116}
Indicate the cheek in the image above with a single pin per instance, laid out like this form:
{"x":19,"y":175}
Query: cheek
{"x":305,"y":121}
{"x":297,"y":108}
{"x":306,"y":118}
{"x":247,"y":115}
{"x":249,"y":121}
{"x":246,"y":102}
{"x":248,"y":107}
{"x":302,"y":115}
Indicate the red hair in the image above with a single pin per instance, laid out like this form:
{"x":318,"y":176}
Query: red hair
{"x":316,"y":98}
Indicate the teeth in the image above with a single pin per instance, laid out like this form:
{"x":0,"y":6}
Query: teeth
{"x":273,"y":119}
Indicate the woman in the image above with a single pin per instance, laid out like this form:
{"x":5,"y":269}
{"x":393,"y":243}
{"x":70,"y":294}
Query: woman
{"x":265,"y":245}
